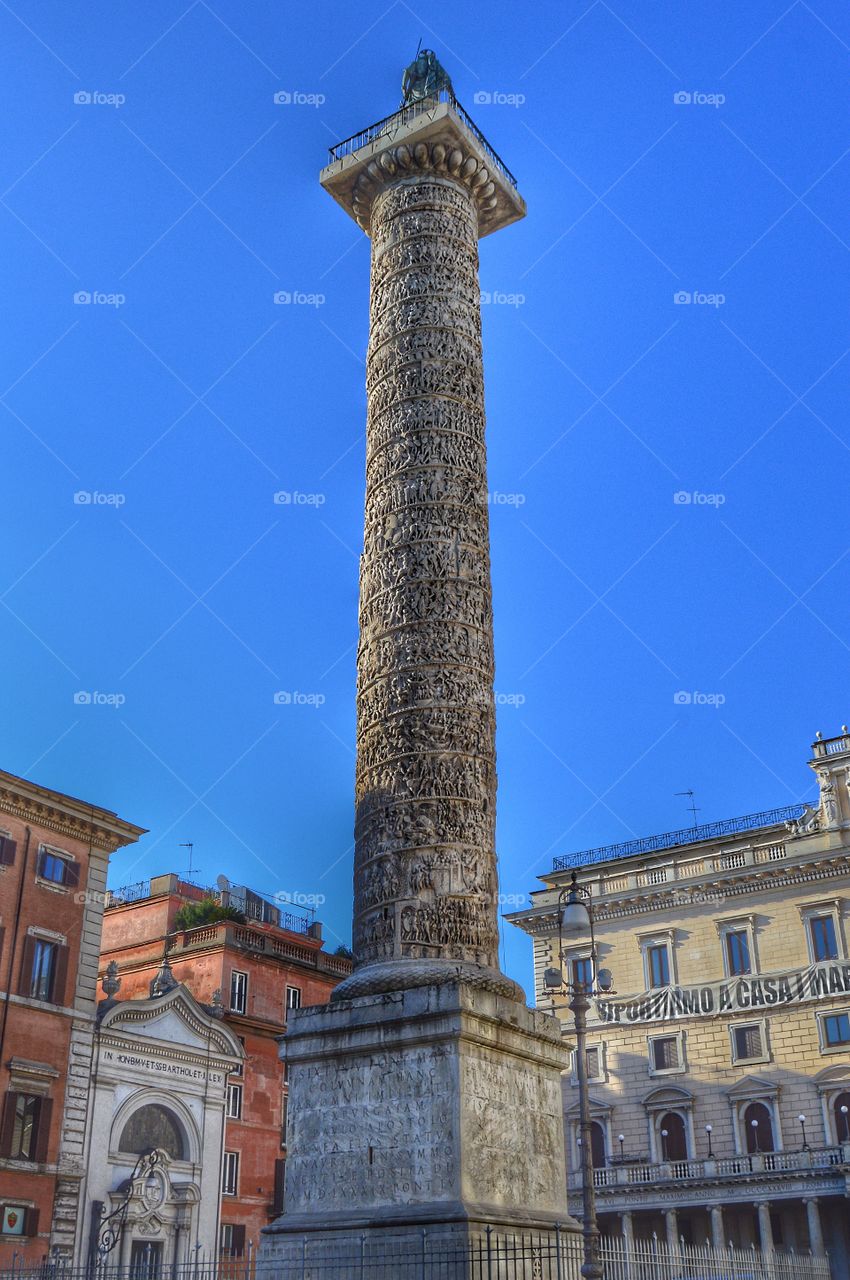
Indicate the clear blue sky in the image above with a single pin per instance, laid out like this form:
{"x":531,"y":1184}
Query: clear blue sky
{"x":198,"y":398}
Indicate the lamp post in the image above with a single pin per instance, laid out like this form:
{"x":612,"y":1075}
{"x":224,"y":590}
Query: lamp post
{"x":708,"y":1133}
{"x":113,"y":1223}
{"x":621,"y":1138}
{"x":663,"y":1144}
{"x":754,"y":1125}
{"x":844,"y":1112}
{"x":802,"y":1120}
{"x":575,"y":921}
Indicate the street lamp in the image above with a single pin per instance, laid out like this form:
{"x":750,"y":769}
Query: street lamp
{"x":113,"y":1223}
{"x":575,"y":921}
{"x":754,"y":1125}
{"x":621,"y":1138}
{"x":802,"y":1120}
{"x":708,"y":1133}
{"x":844,"y":1112}
{"x":664,"y":1144}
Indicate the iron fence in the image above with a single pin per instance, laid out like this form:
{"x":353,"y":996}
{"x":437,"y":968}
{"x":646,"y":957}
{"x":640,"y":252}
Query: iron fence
{"x":431,"y":1255}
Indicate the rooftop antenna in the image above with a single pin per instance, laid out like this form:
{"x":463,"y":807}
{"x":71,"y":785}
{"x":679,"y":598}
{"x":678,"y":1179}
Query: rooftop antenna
{"x":694,"y":810}
{"x":188,"y":844}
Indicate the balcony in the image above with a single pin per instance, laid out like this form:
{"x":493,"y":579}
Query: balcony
{"x":226,"y":933}
{"x":825,"y":1169}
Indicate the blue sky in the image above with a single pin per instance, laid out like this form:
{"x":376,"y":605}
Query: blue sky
{"x":182,"y":196}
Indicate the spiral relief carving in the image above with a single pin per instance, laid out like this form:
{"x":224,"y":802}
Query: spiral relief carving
{"x":425,"y":867}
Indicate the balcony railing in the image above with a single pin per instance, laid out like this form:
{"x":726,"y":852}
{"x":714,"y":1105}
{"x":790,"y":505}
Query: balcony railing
{"x":408,"y":113}
{"x":769,"y":1162}
{"x":257,"y":941}
{"x":685,"y":835}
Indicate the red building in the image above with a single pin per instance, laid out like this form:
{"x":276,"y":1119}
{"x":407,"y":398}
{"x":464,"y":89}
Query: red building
{"x":54,"y":854}
{"x":273,"y":962}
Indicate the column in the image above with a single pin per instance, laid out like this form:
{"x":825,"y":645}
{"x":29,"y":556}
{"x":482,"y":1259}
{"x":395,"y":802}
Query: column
{"x":765,"y":1227}
{"x":671,"y":1227}
{"x":815,"y":1229}
{"x":627,"y":1229}
{"x":717,"y":1238}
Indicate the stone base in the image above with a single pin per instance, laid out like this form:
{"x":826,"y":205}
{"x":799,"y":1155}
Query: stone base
{"x":419,"y":1118}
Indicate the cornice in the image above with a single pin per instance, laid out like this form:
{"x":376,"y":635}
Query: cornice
{"x":456,"y":163}
{"x":53,"y":812}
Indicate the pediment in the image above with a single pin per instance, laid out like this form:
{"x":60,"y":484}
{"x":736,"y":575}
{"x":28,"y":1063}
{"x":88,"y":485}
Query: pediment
{"x":175,"y":1019}
{"x":752,"y":1087}
{"x":833,"y":1077}
{"x":668,"y":1095}
{"x":597,"y":1107}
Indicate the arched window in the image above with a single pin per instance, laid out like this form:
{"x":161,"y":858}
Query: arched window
{"x":841,"y":1111}
{"x":672,"y":1136}
{"x":758,"y":1128}
{"x":597,"y":1145}
{"x":153,"y":1128}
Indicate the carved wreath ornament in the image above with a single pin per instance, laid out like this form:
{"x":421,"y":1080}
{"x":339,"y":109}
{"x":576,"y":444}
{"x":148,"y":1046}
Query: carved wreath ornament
{"x":437,"y":158}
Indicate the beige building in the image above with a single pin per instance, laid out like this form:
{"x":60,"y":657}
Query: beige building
{"x":719,"y":1068}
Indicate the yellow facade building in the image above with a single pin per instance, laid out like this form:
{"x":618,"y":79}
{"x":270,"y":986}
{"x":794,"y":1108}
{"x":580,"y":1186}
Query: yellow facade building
{"x":719,"y":1070}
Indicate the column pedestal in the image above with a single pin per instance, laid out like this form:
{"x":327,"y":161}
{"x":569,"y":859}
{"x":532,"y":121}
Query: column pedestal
{"x":434,"y":1110}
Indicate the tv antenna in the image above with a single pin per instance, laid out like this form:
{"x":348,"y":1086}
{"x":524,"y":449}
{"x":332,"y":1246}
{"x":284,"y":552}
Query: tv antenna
{"x":189,"y":844}
{"x":693,"y":808}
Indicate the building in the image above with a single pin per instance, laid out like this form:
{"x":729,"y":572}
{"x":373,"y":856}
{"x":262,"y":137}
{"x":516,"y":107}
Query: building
{"x":54,"y":853}
{"x":159,"y":1082}
{"x":261,"y":969}
{"x":720,"y":1070}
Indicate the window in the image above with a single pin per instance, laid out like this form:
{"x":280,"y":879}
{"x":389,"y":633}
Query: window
{"x":146,"y":1259}
{"x":658,"y":960}
{"x":279,"y":1185}
{"x":42,"y":970}
{"x":758,"y":1128}
{"x":234,"y":1102}
{"x":25,"y":1127}
{"x":232,"y":1243}
{"x":293,"y":997}
{"x":56,"y":869}
{"x":836,"y":1030}
{"x":582,"y":971}
{"x":18,"y":1220}
{"x":841,"y":1114}
{"x":824,"y":941}
{"x":597,"y":1145}
{"x":150,"y":1127}
{"x":665,"y":1053}
{"x":673,"y":1138}
{"x":7,"y":850}
{"x":748,"y":1042}
{"x":230,"y":1173}
{"x":237,"y":1070}
{"x":284,"y":1112}
{"x":594,"y":1058}
{"x":238,"y":991}
{"x":737,"y":952}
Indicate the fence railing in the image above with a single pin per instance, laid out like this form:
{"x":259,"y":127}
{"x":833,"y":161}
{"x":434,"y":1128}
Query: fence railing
{"x":813,"y":1158}
{"x":431,"y":1255}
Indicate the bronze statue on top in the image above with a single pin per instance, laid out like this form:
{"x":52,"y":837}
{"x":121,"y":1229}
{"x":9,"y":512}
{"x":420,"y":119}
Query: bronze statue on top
{"x":424,"y":78}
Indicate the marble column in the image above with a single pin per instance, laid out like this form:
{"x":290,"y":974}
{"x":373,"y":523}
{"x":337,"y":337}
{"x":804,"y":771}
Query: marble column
{"x":717,"y":1238}
{"x":628,"y":1229}
{"x":671,"y":1228}
{"x":815,"y":1229}
{"x":765,"y":1226}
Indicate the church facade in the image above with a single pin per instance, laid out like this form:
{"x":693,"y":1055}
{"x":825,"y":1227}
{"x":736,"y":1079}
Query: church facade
{"x":719,"y":1072}
{"x":159,"y":1083}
